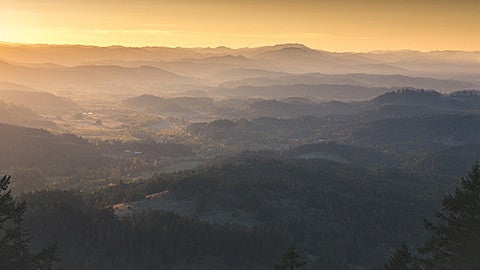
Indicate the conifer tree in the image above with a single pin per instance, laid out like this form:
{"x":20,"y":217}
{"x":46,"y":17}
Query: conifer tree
{"x":14,"y":240}
{"x":290,"y":260}
{"x":402,"y":259}
{"x":455,"y":239}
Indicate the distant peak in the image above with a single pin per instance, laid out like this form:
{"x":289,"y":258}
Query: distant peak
{"x":290,"y":45}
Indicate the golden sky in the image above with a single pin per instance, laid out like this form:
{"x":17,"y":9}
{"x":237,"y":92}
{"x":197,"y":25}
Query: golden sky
{"x":341,"y":25}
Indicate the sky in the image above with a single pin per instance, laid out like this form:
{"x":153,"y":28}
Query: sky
{"x":333,"y":25}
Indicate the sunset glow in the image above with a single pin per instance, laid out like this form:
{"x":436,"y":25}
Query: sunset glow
{"x":329,"y":25}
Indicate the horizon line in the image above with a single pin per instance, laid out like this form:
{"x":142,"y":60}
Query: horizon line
{"x":227,"y":47}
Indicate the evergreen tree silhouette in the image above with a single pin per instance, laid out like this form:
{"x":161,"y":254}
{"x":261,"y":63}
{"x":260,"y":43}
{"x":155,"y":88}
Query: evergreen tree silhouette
{"x":15,"y":252}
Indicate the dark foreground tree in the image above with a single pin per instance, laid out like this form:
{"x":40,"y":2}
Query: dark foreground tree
{"x":14,"y":241}
{"x":290,"y":260}
{"x":455,"y":239}
{"x":402,"y":259}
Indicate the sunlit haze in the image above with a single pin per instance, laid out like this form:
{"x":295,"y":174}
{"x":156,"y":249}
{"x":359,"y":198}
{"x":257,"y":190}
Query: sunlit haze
{"x":240,"y":134}
{"x":328,"y":25}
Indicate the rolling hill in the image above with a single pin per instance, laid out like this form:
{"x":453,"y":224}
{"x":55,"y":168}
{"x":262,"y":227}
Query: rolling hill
{"x":23,"y":116}
{"x":114,"y":78}
{"x":365,"y":80}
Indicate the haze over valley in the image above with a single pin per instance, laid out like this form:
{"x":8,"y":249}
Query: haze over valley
{"x":340,"y":136}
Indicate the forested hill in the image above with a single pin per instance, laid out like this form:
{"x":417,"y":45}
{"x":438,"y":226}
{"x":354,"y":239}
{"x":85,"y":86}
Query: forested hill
{"x":171,"y":105}
{"x":320,"y":91}
{"x":405,"y":102}
{"x":446,"y":129}
{"x":350,"y":154}
{"x":29,"y":147}
{"x":20,"y":115}
{"x":39,"y":159}
{"x":419,"y":143}
{"x":338,"y":214}
{"x":39,"y":101}
{"x":94,"y":238}
{"x":456,"y":101}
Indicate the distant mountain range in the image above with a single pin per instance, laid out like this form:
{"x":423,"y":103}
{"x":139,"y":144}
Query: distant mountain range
{"x":116,"y":68}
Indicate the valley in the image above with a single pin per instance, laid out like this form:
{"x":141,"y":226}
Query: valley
{"x":218,"y":158}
